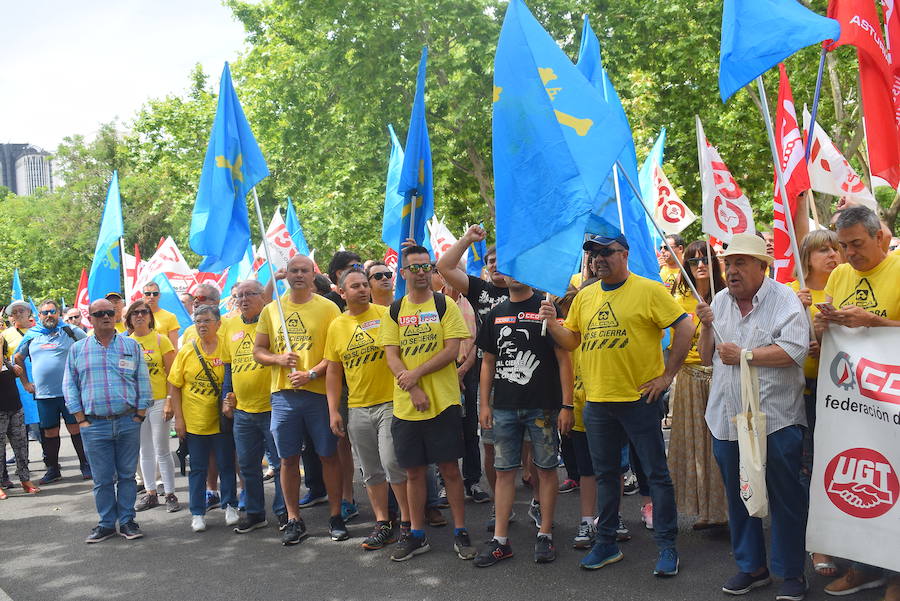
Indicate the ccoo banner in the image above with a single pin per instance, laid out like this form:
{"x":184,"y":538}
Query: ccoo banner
{"x":853,"y":510}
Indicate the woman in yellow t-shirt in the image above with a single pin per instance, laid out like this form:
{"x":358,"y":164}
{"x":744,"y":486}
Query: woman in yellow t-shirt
{"x":695,"y":473}
{"x":158,"y":355}
{"x":819,"y":255}
{"x":196,"y":390}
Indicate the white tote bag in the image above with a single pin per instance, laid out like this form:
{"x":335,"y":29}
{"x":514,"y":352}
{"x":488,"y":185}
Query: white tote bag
{"x":751,"y":433}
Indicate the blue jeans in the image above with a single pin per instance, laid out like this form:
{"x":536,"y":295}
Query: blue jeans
{"x":608,"y":427}
{"x":788,"y":505}
{"x":199,"y":448}
{"x":112,"y":448}
{"x":253,"y":439}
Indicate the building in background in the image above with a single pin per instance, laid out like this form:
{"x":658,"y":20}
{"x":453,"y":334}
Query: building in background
{"x":24,"y":168}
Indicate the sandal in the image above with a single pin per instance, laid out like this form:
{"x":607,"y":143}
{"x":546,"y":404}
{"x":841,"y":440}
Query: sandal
{"x":3,"y":495}
{"x":30,"y":488}
{"x":667,"y":423}
{"x":825,"y":568}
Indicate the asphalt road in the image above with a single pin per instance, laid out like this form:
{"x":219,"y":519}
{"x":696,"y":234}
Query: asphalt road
{"x":43,"y":557}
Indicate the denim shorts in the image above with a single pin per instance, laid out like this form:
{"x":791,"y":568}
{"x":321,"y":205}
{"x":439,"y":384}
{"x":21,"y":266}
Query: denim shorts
{"x":512,"y":425}
{"x":296,"y":414}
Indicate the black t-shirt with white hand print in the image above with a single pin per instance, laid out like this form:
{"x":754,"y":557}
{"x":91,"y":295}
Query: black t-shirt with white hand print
{"x":527,"y":373}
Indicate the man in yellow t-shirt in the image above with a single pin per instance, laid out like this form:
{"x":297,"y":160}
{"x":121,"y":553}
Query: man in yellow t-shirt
{"x":247,"y":392}
{"x":668,"y":266}
{"x":618,"y":322}
{"x":166,"y":322}
{"x":119,"y":307}
{"x":299,"y":406}
{"x":421,"y":345}
{"x":353,"y":354}
{"x":206,"y":294}
{"x":864,"y":290}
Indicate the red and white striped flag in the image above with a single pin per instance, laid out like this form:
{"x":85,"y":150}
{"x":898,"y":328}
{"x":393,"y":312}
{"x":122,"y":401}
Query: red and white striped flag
{"x":796,"y":176}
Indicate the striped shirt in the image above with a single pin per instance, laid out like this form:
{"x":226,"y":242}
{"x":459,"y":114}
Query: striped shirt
{"x":777,"y":317}
{"x":106,"y":380}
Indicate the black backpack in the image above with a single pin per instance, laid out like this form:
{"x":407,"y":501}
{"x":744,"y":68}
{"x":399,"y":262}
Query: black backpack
{"x":440,"y":304}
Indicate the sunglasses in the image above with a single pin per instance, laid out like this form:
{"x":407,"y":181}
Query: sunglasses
{"x":140,"y":312}
{"x":103,"y":313}
{"x":417,"y":267}
{"x":151,"y":293}
{"x":203,"y":299}
{"x":382,"y":275}
{"x":356,"y":267}
{"x":698,"y":260}
{"x":48,"y":312}
{"x":606,"y":251}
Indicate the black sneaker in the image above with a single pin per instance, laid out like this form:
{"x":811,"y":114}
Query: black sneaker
{"x":492,"y":553}
{"x":409,"y":546}
{"x":282,"y":521}
{"x":462,"y":544}
{"x":294,"y":532}
{"x":381,"y":536}
{"x":337,"y":528}
{"x":99,"y":534}
{"x":250,"y":522}
{"x":130,"y":530}
{"x":476,"y":495}
{"x":742,"y":583}
{"x":544,"y":551}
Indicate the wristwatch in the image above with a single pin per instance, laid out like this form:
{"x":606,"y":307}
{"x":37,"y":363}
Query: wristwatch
{"x":748,"y":354}
{"x":570,"y":407}
{"x":312,"y":374}
{"x":141,"y":418}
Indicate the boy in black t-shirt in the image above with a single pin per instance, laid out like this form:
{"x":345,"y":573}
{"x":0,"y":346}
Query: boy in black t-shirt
{"x":532,"y":380}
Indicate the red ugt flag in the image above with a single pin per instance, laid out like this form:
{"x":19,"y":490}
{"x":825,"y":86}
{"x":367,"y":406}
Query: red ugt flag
{"x":861,"y":27}
{"x":796,"y":176}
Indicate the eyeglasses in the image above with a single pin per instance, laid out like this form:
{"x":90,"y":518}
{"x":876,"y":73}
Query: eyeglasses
{"x":382,"y":275}
{"x":48,"y":312}
{"x":103,"y":313}
{"x":606,"y":251}
{"x":698,"y":260}
{"x":417,"y":267}
{"x":246,"y":295}
{"x":140,"y":312}
{"x":151,"y":292}
{"x":204,"y":322}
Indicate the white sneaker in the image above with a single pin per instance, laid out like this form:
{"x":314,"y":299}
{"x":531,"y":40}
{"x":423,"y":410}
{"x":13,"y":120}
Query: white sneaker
{"x":198,"y":523}
{"x":232,"y":517}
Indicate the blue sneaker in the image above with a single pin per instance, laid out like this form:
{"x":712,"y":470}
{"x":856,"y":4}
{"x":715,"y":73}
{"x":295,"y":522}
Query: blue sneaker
{"x":242,"y":500}
{"x":666,"y":563}
{"x":51,"y":475}
{"x":212,"y":500}
{"x":310,"y":499}
{"x":348,"y":510}
{"x":600,"y":555}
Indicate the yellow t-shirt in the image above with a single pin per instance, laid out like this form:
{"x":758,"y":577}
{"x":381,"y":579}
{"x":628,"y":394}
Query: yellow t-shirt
{"x":251,"y":380}
{"x":620,"y":336}
{"x":165,"y":322}
{"x":13,"y":338}
{"x":668,"y":275}
{"x":689,"y":305}
{"x":307,"y":326}
{"x":811,"y":364}
{"x":189,"y":335}
{"x":155,"y":346}
{"x":421,"y":335}
{"x":199,"y":402}
{"x":120,"y":328}
{"x":351,"y":342}
{"x":576,"y":280}
{"x":876,"y":290}
{"x":578,"y":392}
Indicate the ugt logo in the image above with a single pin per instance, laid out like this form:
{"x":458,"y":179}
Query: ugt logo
{"x":862,"y":483}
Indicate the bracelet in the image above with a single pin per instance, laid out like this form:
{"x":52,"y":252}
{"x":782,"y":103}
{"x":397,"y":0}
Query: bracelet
{"x":571,"y":407}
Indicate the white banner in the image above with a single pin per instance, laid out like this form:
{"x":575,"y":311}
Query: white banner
{"x":726,"y":210}
{"x":281,"y":246}
{"x":168,"y":260}
{"x":829,"y":171}
{"x":670,"y":213}
{"x":853,"y":511}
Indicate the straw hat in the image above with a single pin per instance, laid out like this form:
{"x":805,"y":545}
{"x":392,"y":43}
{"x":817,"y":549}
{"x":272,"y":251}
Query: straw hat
{"x":748,"y":244}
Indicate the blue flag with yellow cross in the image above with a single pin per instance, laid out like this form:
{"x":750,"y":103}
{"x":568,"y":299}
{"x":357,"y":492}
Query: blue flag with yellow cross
{"x":106,"y":274}
{"x":220,"y":227}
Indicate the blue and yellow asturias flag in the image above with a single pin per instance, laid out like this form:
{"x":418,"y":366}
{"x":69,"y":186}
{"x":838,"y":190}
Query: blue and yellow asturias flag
{"x":415,"y":184}
{"x":555,"y":140}
{"x":220,"y":229}
{"x":17,"y":286}
{"x":105,"y":275}
{"x":393,"y":200}
{"x":475,"y":260}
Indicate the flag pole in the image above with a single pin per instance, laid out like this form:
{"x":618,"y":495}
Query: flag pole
{"x":662,"y":235}
{"x":262,"y":228}
{"x":815,"y":107}
{"x":709,"y":259}
{"x":619,"y":197}
{"x":811,"y":200}
{"x":412,"y":215}
{"x":124,"y":269}
{"x":779,"y":175}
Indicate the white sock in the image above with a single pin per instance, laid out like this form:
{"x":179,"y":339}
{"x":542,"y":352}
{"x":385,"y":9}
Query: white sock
{"x":546,"y":535}
{"x":501,"y":539}
{"x":535,"y":503}
{"x":587,"y":519}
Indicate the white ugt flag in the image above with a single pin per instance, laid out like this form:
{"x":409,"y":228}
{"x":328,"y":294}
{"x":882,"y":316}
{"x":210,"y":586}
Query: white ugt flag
{"x":670,"y":213}
{"x":281,"y":246}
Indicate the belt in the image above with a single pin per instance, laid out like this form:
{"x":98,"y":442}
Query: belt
{"x":91,"y":417}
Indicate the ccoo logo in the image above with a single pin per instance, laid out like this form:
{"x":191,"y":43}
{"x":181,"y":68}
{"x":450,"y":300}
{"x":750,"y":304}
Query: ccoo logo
{"x":841,"y":371}
{"x":861,"y":483}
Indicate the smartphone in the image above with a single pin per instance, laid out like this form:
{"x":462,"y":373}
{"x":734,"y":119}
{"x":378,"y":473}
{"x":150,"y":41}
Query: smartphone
{"x":826,"y":308}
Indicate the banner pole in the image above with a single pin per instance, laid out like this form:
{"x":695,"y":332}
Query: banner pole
{"x":709,"y":259}
{"x":815,"y":106}
{"x":662,"y":235}
{"x":618,"y":197}
{"x":262,"y":228}
{"x":125,"y":287}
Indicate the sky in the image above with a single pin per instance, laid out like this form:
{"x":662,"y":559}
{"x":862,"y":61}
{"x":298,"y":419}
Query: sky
{"x":66,"y":67}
